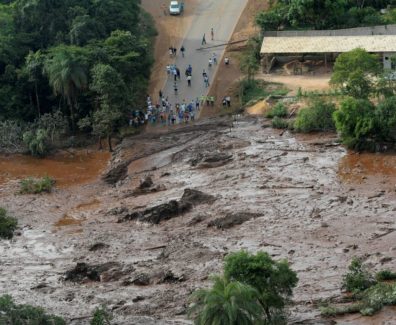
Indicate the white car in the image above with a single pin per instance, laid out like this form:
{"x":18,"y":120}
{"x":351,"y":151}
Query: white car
{"x":176,"y":7}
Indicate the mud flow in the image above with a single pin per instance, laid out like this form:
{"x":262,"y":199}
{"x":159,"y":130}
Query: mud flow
{"x":184,"y":199}
{"x":66,"y":168}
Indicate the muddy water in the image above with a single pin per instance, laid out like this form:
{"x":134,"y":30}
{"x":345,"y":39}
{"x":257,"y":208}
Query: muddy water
{"x":66,"y":168}
{"x":356,"y":168}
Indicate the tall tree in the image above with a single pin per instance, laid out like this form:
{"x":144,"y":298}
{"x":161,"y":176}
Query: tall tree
{"x":34,"y":67}
{"x":66,"y":76}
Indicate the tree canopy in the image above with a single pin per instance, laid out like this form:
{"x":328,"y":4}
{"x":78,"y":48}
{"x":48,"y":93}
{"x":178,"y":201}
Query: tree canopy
{"x":51,"y":50}
{"x":325,"y":14}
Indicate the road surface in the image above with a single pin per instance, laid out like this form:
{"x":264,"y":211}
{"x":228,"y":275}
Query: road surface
{"x":222,"y":16}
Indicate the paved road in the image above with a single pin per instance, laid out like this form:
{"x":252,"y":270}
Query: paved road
{"x":222,"y":16}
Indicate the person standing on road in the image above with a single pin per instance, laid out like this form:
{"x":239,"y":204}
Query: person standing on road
{"x":214,"y":58}
{"x":182,"y":49}
{"x":206,"y":81}
{"x":203,"y":40}
{"x":210,"y":63}
{"x":212,"y":33}
{"x":189,"y":81}
{"x":175,"y":88}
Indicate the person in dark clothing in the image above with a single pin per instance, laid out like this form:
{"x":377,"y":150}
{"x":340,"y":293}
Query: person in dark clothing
{"x":182,"y":49}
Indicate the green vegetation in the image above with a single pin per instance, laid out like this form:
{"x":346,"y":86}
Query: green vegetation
{"x":251,"y":90}
{"x":279,"y":110}
{"x":35,"y":186}
{"x":7,"y":225}
{"x":254,"y":290}
{"x":385,"y":275}
{"x":319,"y":14}
{"x":354,"y":71}
{"x":273,"y":280}
{"x":11,"y":313}
{"x":358,"y":277}
{"x":65,"y":61}
{"x":318,"y":116}
{"x":369,"y":296}
{"x":226,"y":303}
{"x":280,"y":123}
{"x":101,"y":317}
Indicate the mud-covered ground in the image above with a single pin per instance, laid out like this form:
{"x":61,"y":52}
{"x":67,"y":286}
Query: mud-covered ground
{"x":299,"y":199}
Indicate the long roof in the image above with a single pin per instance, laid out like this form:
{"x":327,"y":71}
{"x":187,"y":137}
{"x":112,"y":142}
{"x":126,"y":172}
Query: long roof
{"x":328,"y":44}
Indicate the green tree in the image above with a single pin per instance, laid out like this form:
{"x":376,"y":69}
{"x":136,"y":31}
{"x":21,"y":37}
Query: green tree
{"x":66,"y":76}
{"x":273,"y":280}
{"x":355,"y":121}
{"x":111,"y":99}
{"x":226,"y":303}
{"x":354,"y":72}
{"x":34,"y":67}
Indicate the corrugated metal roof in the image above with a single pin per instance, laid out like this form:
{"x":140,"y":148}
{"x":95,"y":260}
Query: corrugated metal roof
{"x":328,"y":44}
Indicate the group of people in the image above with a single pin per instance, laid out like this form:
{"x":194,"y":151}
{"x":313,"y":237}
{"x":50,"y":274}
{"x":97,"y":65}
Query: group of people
{"x":165,"y":114}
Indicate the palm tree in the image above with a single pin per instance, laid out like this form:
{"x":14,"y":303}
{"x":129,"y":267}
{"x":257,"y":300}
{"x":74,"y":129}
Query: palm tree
{"x":226,"y":303}
{"x":66,"y":76}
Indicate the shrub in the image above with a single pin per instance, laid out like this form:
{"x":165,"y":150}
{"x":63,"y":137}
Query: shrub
{"x":35,"y":186}
{"x":318,"y":116}
{"x":385,"y":275}
{"x":37,"y":142}
{"x":101,"y":317}
{"x":279,"y":123}
{"x":358,"y":278}
{"x":279,"y":110}
{"x":330,"y":311}
{"x":7,"y":225}
{"x":273,"y":280}
{"x":10,"y":313}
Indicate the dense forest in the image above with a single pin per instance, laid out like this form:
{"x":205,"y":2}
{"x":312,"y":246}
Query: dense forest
{"x":326,"y":14}
{"x":70,"y":65}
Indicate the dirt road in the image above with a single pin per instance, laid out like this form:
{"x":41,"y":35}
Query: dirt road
{"x":206,"y":16}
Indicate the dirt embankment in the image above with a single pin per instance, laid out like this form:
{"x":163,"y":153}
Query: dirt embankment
{"x":223,"y":189}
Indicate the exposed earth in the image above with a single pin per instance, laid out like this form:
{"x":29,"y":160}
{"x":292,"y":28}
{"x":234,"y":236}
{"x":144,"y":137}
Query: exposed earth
{"x":138,"y":232}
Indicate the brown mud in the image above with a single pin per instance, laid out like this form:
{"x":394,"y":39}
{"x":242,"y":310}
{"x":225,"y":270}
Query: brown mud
{"x":67,"y":168}
{"x":284,"y":194}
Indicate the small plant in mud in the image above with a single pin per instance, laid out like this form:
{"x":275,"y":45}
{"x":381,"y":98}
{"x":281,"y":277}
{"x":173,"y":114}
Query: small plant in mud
{"x":279,"y":123}
{"x":254,"y":290}
{"x":36,"y":185}
{"x":368,"y":295}
{"x":279,"y":110}
{"x":101,"y":317}
{"x":358,"y":277}
{"x":7,"y":225}
{"x":11,"y":313}
{"x":385,"y":275}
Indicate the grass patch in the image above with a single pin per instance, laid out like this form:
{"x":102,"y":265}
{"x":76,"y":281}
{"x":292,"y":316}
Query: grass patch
{"x":279,"y":123}
{"x":279,"y":110}
{"x":11,"y":313}
{"x":256,"y":89}
{"x":385,"y":275}
{"x":36,"y":185}
{"x":7,"y":225}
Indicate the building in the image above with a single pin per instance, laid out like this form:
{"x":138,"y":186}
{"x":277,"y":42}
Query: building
{"x":327,"y":44}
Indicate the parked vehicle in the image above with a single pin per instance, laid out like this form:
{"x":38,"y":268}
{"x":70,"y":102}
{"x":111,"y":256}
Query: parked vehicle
{"x":176,"y":7}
